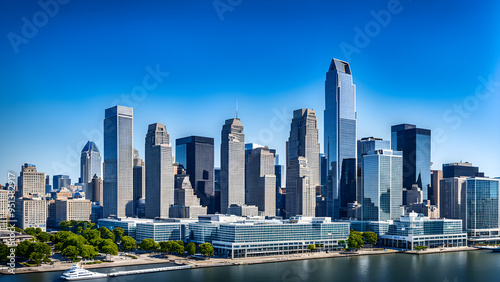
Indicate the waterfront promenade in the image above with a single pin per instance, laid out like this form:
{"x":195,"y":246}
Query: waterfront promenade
{"x":145,"y":259}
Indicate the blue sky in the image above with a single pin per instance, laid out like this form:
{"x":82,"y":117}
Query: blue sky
{"x":428,"y":64}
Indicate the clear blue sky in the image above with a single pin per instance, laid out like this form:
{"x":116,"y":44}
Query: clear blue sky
{"x":421,"y":66}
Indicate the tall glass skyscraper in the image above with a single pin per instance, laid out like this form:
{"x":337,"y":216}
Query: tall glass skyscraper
{"x":118,"y":162}
{"x":340,"y":137}
{"x":415,"y":143}
{"x":196,"y":155}
{"x":366,"y":145}
{"x":483,"y":203}
{"x":382,"y":185}
{"x":90,"y":163}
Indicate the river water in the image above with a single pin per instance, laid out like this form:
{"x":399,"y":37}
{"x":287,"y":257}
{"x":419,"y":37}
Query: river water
{"x":445,"y":267}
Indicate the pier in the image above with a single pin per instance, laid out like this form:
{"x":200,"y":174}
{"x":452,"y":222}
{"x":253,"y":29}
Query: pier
{"x":149,"y":270}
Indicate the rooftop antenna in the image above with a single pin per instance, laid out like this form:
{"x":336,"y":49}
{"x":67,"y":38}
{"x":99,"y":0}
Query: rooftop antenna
{"x":236,"y":108}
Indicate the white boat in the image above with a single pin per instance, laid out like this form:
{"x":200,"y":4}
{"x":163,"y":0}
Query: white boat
{"x":76,"y":272}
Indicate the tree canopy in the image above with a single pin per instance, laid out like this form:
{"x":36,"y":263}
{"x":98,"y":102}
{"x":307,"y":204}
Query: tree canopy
{"x":206,"y":249}
{"x":355,"y":240}
{"x":128,"y":243}
{"x":370,"y":237}
{"x":149,"y":245}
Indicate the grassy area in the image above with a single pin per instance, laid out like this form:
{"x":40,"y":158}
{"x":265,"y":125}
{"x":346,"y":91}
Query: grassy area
{"x":131,"y":256}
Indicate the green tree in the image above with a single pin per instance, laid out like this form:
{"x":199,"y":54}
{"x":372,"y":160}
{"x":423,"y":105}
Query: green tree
{"x":106,"y":234}
{"x":43,"y":237}
{"x":76,"y":240}
{"x":206,"y":249}
{"x":149,"y":245}
{"x":4,"y":252}
{"x":24,"y":249}
{"x":355,"y":240}
{"x":166,"y":247}
{"x":311,"y":247}
{"x":88,"y":251}
{"x":91,"y":234}
{"x":38,"y":230}
{"x":191,"y":248}
{"x":38,"y":252}
{"x":420,"y":248}
{"x":128,"y":243}
{"x":30,"y":231}
{"x":70,"y":252}
{"x":178,"y":249}
{"x":108,"y":247}
{"x":118,"y":232}
{"x":180,"y":242}
{"x":61,"y":236}
{"x":64,"y":225}
{"x":370,"y":237}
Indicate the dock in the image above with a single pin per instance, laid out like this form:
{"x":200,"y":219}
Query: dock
{"x":149,"y":270}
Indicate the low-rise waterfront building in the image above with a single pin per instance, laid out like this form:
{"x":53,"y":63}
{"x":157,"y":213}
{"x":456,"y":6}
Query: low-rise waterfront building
{"x":237,"y":237}
{"x":128,"y":224}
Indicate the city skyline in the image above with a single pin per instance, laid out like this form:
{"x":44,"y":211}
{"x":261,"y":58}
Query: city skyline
{"x":389,"y":82}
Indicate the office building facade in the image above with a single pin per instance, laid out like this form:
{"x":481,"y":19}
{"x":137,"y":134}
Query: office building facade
{"x":31,"y":182}
{"x":415,"y":143}
{"x":382,"y":186}
{"x":261,"y":181}
{"x":232,"y":175}
{"x":90,"y":163}
{"x":196,"y":155}
{"x":303,"y":166}
{"x":159,"y":172}
{"x":118,"y":162}
{"x":340,"y":137}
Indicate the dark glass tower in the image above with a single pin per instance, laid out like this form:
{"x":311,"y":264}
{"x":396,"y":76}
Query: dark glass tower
{"x":340,"y":137}
{"x":415,"y":143}
{"x":196,"y":155}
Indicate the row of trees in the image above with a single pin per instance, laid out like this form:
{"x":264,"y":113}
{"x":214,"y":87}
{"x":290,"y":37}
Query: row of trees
{"x":176,"y":247}
{"x":357,"y":239}
{"x":84,"y":240}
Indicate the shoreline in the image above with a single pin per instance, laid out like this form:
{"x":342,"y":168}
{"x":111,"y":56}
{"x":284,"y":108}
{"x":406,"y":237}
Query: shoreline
{"x":219,"y":262}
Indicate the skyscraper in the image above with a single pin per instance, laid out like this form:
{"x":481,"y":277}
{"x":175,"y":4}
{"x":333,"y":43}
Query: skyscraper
{"x":232,"y":162}
{"x":340,"y":137}
{"x":118,"y":162}
{"x":260,"y":181}
{"x":31,"y":182}
{"x":483,"y":214}
{"x":382,"y":185}
{"x":159,"y":172}
{"x":303,"y":167}
{"x":366,"y":145}
{"x":60,"y":181}
{"x":90,"y":163}
{"x":196,"y":155}
{"x":139,"y":180}
{"x":415,"y":143}
{"x":433,"y":193}
{"x":461,"y":170}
